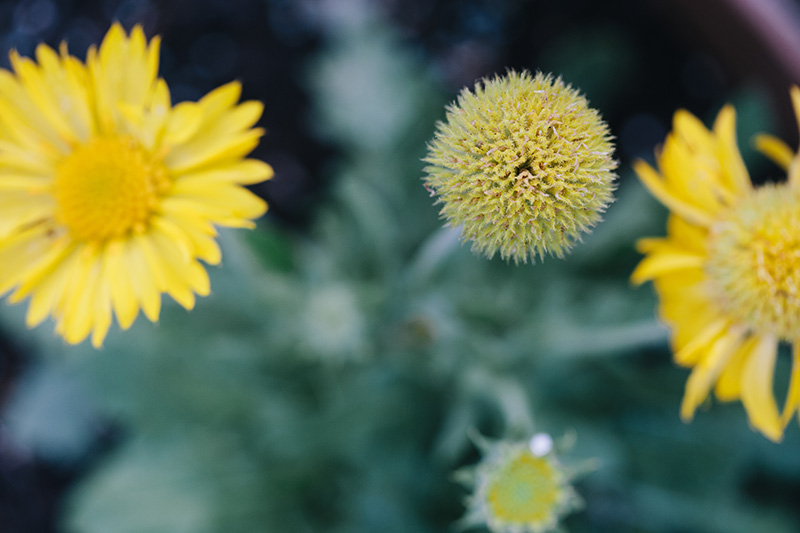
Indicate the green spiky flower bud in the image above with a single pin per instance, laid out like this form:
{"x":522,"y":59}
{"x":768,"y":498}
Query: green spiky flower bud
{"x":523,"y":164}
{"x":518,"y":487}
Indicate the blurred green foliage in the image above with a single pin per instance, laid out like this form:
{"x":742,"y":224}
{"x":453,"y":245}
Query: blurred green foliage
{"x":331,"y":380}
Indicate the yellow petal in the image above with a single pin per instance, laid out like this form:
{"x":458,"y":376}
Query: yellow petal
{"x":685,"y":305}
{"x":706,"y":372}
{"x":793,"y":396}
{"x":15,"y":107}
{"x":794,"y":166}
{"x":165,"y":262}
{"x":246,"y":172}
{"x":175,"y":234}
{"x":142,"y":278}
{"x":757,"y":388}
{"x":689,"y":236}
{"x":42,"y":265}
{"x":76,"y":87}
{"x":226,"y":205}
{"x":775,"y":149}
{"x":48,"y":293}
{"x":734,"y":170}
{"x":40,"y":92}
{"x":147,"y":121}
{"x":698,"y":346}
{"x":199,"y":279}
{"x":76,"y":308}
{"x":19,"y":209}
{"x":794,"y":92}
{"x":102,"y":311}
{"x":42,"y":144}
{"x":693,"y":165}
{"x":152,"y":60}
{"x":196,"y":228}
{"x":221,"y":98}
{"x":13,"y":158}
{"x":121,"y":72}
{"x":657,"y":188}
{"x":24,"y":254}
{"x":692,"y":131}
{"x":211,"y":149}
{"x":30,"y":184}
{"x":651,"y":244}
{"x":793,"y":174}
{"x":182,"y":123}
{"x":123,"y":299}
{"x":691,"y":175}
{"x":658,"y":264}
{"x":729,"y":385}
{"x":236,"y":119}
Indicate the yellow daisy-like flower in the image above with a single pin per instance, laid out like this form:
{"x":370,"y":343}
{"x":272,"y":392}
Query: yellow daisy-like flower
{"x":109,"y":194}
{"x":728,"y":272}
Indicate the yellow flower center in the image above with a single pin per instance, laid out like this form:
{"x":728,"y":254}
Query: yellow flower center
{"x":525,"y":491}
{"x":754,"y":261}
{"x":107,"y":188}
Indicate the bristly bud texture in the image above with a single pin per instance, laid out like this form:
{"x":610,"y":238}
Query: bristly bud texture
{"x":523,"y":165}
{"x":518,"y":487}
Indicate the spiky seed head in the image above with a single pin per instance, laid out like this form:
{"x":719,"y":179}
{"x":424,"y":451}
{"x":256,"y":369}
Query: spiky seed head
{"x":523,"y":165}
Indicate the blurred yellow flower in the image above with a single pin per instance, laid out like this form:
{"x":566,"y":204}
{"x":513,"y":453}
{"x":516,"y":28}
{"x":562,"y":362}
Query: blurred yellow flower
{"x":728,"y":272}
{"x":109,"y":194}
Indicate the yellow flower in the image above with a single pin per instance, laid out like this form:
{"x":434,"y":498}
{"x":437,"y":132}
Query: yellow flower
{"x":109,"y":194}
{"x":728,"y":272}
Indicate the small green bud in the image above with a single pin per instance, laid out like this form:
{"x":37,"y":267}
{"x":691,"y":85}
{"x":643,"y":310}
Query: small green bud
{"x":518,"y":487}
{"x":523,"y":164}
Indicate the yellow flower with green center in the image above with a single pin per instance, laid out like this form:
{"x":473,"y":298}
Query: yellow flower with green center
{"x":728,"y":272}
{"x":523,"y":165}
{"x":110,"y":195}
{"x":519,"y":487}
